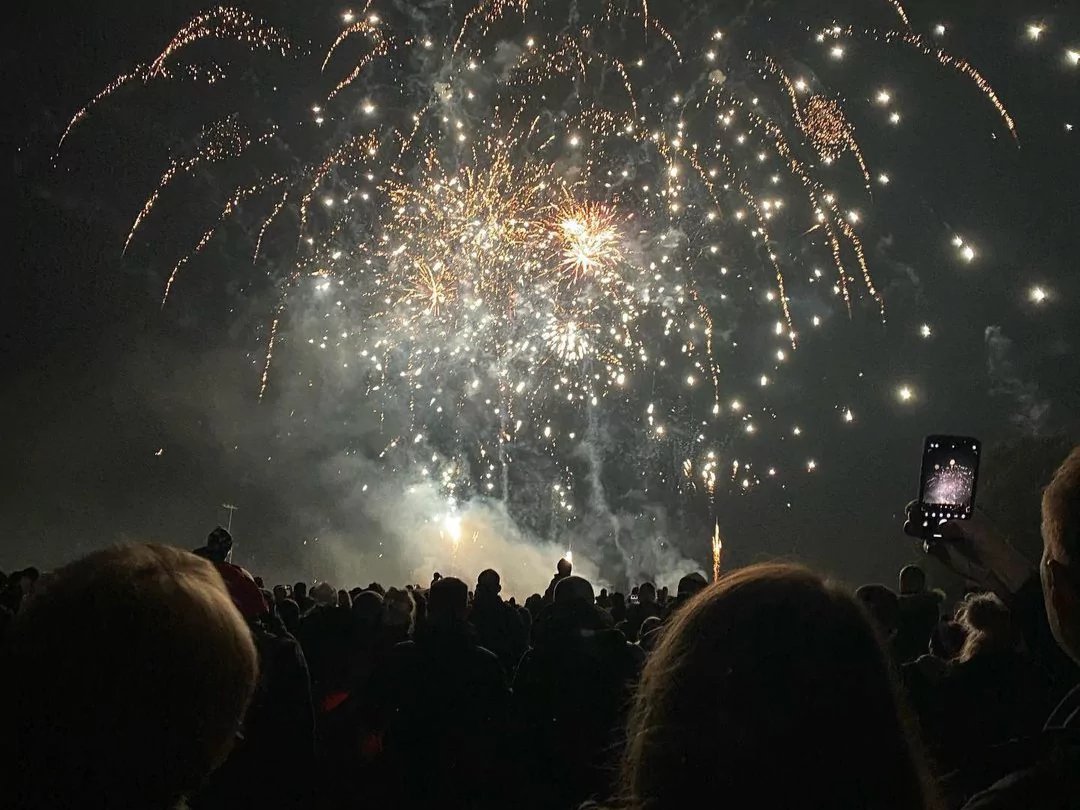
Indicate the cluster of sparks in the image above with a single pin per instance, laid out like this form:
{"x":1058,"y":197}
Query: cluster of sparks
{"x":522,"y":252}
{"x":949,"y":484}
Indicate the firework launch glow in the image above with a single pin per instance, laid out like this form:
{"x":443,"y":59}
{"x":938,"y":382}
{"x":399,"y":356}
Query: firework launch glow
{"x":529,"y":225}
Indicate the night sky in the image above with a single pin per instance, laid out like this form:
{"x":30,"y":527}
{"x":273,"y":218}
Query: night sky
{"x":125,"y":421}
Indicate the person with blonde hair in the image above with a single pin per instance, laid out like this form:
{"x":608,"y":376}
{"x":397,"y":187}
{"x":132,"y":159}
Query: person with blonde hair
{"x":126,"y":680}
{"x":770,"y":688}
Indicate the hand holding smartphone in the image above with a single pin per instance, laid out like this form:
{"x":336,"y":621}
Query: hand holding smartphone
{"x":947,"y":480}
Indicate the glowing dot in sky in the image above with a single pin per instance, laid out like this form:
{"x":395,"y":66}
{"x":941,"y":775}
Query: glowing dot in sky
{"x":939,"y":29}
{"x":849,"y":416}
{"x":368,"y":108}
{"x":884,"y":97}
{"x":837,"y":52}
{"x":1073,"y":57}
{"x":1035,"y":30}
{"x":884,"y":179}
{"x":905,"y":393}
{"x":811,"y":465}
{"x":894,"y":118}
{"x":925,"y":330}
{"x":348,"y":17}
{"x":968,"y":253}
{"x":1037,"y":295}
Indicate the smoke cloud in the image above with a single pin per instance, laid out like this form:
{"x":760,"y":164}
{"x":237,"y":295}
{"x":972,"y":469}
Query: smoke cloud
{"x":1005,"y":381}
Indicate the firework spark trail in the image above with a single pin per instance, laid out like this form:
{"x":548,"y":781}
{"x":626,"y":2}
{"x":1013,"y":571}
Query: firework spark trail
{"x":221,"y":23}
{"x":901,"y":12}
{"x":226,"y":212}
{"x":945,"y":59}
{"x":223,"y":140}
{"x":814,"y":191}
{"x":824,"y":122}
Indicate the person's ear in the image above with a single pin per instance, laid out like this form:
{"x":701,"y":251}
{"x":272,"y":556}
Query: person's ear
{"x":1064,"y":586}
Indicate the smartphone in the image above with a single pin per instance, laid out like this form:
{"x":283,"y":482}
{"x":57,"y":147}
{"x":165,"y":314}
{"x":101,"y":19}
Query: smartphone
{"x":950,"y":472}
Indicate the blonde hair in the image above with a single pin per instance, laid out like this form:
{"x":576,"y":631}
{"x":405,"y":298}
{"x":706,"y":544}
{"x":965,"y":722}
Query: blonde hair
{"x":134,"y":670}
{"x":988,"y":626}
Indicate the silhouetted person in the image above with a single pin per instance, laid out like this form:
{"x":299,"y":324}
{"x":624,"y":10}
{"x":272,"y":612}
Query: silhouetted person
{"x":289,"y":613}
{"x":441,"y":701}
{"x":1050,"y":776}
{"x":570,"y":697}
{"x":919,"y":611}
{"x":563,"y":569}
{"x":646,"y":607}
{"x":497,"y":624}
{"x":689,"y":586}
{"x":534,"y":604}
{"x":992,"y":693}
{"x":603,"y":600}
{"x":300,"y":596}
{"x":618,"y":607}
{"x":125,"y":681}
{"x":883,"y":605}
{"x":771,"y":689}
{"x":273,"y":759}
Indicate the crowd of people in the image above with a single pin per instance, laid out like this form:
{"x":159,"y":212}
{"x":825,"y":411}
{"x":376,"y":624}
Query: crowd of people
{"x":144,"y":676}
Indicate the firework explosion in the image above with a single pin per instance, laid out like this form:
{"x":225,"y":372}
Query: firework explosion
{"x":534,"y":218}
{"x":950,"y":484}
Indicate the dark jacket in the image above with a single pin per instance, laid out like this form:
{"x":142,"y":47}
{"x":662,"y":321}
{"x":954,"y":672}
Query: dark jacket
{"x":570,"y":699}
{"x":1053,"y":782}
{"x":549,"y":594}
{"x":439,"y":703}
{"x":637,"y":613}
{"x":271,"y":765}
{"x":499,"y":628}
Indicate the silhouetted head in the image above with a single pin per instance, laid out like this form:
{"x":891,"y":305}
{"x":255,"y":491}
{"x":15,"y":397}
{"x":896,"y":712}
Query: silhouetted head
{"x":300,"y":590}
{"x":883,"y":605}
{"x":134,"y":672}
{"x":218,"y":546}
{"x":399,"y":610}
{"x":534,"y":604}
{"x":564,"y":568}
{"x":912,"y":580}
{"x":448,"y":601}
{"x":603,"y":593}
{"x":770,"y":685}
{"x":573,"y":591}
{"x":367,"y":609}
{"x":488,"y":582}
{"x":988,"y":626}
{"x":289,"y":613}
{"x":647,"y":593}
{"x":1060,"y":569}
{"x":690,"y":585}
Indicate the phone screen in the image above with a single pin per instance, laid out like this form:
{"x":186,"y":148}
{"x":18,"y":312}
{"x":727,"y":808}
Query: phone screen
{"x":950,"y":470}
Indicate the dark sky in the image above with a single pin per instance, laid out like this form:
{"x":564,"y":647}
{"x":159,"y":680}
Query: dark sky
{"x":97,"y":378}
